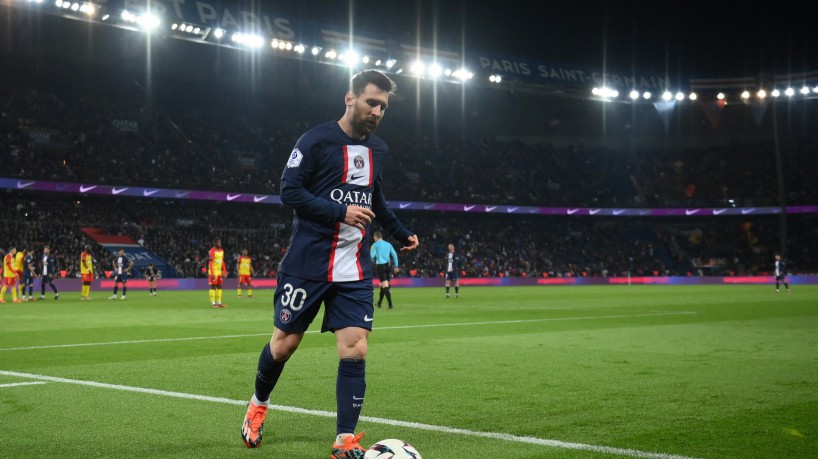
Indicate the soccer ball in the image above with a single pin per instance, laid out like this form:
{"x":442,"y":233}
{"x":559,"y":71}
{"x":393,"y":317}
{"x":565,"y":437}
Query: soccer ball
{"x":392,"y":448}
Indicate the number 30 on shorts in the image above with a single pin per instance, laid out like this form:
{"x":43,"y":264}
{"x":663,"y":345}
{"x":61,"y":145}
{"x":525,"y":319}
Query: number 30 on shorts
{"x":293,"y":298}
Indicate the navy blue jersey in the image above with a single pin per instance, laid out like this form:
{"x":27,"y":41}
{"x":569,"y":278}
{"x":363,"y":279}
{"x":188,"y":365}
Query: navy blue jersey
{"x":28,"y":261}
{"x":452,"y":262}
{"x":326,"y":172}
{"x":48,"y":265}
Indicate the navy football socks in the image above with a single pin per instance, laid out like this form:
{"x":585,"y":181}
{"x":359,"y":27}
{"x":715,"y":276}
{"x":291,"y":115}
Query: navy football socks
{"x":349,"y":392}
{"x":268,"y":373}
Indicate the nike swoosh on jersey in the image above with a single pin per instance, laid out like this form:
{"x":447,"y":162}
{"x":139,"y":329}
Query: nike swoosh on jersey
{"x":20,"y":184}
{"x":148,"y":193}
{"x":84,"y":189}
{"x":355,"y":177}
{"x":116,"y":190}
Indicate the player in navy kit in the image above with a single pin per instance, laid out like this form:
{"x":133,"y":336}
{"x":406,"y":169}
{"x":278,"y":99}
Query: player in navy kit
{"x":333,"y":183}
{"x":452,"y":271}
{"x":122,"y":267}
{"x":47,"y":272}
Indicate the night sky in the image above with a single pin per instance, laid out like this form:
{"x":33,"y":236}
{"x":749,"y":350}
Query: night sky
{"x":692,"y":38}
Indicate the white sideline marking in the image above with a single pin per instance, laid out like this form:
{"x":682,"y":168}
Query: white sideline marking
{"x":29,"y":383}
{"x":397,"y":327}
{"x":393,"y":422}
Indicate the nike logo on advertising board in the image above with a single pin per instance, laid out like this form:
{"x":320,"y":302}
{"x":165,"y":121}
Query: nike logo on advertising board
{"x":619,"y":211}
{"x":572,"y":211}
{"x":404,"y":205}
{"x":148,"y":193}
{"x":23,"y":185}
{"x":428,"y":206}
{"x":368,"y":319}
{"x":747,"y":211}
{"x":594,"y":211}
{"x":511,"y":209}
{"x":116,"y":190}
{"x":84,"y":188}
{"x":490,"y":208}
{"x":719,"y":211}
{"x":691,"y":212}
{"x":468,"y":208}
{"x":259,"y":198}
{"x":182,"y":194}
{"x":231,"y":197}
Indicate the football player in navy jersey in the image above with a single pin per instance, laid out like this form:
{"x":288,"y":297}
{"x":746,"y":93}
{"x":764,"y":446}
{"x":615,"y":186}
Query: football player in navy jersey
{"x":332,"y":181}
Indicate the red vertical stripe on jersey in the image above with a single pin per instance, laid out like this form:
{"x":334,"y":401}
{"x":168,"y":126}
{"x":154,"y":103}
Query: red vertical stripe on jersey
{"x":346,"y":168}
{"x":358,"y":253}
{"x":371,"y":168}
{"x":334,"y":243}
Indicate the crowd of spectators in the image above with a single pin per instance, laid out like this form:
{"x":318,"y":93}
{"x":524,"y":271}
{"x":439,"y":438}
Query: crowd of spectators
{"x":181,"y":233}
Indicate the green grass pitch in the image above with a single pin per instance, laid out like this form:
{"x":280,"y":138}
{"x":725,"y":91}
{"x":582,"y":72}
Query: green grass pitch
{"x":519,"y":372}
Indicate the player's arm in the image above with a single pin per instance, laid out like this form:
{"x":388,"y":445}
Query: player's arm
{"x":394,"y":257}
{"x":130,"y":265}
{"x":389,"y":221}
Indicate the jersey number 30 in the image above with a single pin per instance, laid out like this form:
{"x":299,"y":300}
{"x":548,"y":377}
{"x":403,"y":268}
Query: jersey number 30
{"x":293,"y":298}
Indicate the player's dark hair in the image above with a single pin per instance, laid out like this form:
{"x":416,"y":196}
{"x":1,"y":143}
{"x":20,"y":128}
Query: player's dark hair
{"x":365,"y":77}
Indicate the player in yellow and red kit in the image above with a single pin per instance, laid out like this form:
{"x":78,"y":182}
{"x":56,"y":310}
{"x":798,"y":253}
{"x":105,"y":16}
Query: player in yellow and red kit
{"x":18,"y":267}
{"x":245,"y":273}
{"x":216,"y":272}
{"x":87,"y":271}
{"x":9,"y":276}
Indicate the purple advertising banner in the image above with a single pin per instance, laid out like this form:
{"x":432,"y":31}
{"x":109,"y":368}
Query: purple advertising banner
{"x":170,"y":193}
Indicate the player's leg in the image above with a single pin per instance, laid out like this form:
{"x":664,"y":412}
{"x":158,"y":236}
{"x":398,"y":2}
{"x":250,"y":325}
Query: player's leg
{"x":249,"y":288}
{"x":380,"y":294}
{"x":777,"y":284}
{"x":448,"y":283}
{"x":3,"y":291}
{"x":212,"y":293}
{"x":349,"y":313}
{"x":124,"y":287}
{"x":116,"y":288}
{"x":241,"y":282}
{"x":456,"y":287}
{"x":219,"y":293}
{"x":296,"y":304}
{"x":14,"y":297}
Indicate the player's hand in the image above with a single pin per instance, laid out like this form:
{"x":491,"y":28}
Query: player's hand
{"x":358,"y":217}
{"x":413,"y":244}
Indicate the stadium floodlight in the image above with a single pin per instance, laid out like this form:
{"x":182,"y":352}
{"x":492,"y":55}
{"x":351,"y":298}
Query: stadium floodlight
{"x":647,"y":95}
{"x":495,"y":78}
{"x":435,"y":70}
{"x":189,"y":28}
{"x":815,"y":89}
{"x":775,"y":93}
{"x":218,"y":33}
{"x":174,"y":26}
{"x":105,"y":17}
{"x":595,"y":91}
{"x":288,"y":46}
{"x":274,"y":43}
{"x":680,"y":96}
{"x":720,"y":96}
{"x":197,"y":30}
{"x":365,"y":59}
{"x":805,"y":90}
{"x":282,"y":45}
{"x":693,"y":96}
{"x":745,"y":94}
{"x":390,"y":63}
{"x":462,"y":74}
{"x":667,"y":96}
{"x":789,"y":92}
{"x":417,"y":67}
{"x":331,"y":54}
{"x":378,"y":62}
{"x":75,"y":7}
{"x":88,"y":9}
{"x":299,"y":48}
{"x":58,"y":3}
{"x":761,"y":94}
{"x":315,"y":50}
{"x":634,"y":94}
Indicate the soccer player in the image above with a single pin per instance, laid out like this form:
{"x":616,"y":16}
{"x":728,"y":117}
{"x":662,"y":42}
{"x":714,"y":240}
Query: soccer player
{"x":87,"y":271}
{"x":122,"y":268}
{"x":780,"y":268}
{"x":216,"y":272}
{"x":47,"y":273}
{"x":19,"y":257}
{"x":382,"y":254}
{"x":332,"y":181}
{"x":245,"y":273}
{"x":150,"y":275}
{"x":29,"y":273}
{"x":9,"y":276}
{"x":452,"y":271}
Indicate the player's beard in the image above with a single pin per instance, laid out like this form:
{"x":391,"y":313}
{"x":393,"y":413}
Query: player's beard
{"x":364,"y":126}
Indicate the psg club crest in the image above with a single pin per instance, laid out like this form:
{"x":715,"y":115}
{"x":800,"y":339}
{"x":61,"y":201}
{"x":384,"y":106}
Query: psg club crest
{"x":286,"y":316}
{"x":359,"y":162}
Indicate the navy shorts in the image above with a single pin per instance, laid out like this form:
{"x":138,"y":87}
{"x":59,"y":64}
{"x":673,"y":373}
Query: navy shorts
{"x":346,"y":304}
{"x":47,"y":279}
{"x":452,"y":276}
{"x":121,"y":278}
{"x":28,"y":280}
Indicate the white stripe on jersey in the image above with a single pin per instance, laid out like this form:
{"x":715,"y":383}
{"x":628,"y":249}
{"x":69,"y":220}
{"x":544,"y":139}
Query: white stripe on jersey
{"x":345,"y":254}
{"x":357,"y":165}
